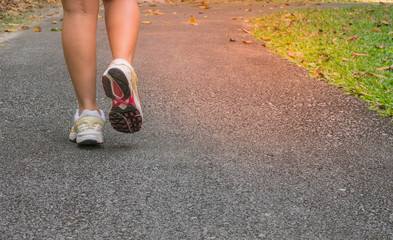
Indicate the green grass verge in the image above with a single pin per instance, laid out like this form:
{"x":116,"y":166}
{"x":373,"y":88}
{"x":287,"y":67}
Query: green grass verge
{"x":322,"y":1}
{"x":348,"y":47}
{"x":19,"y":17}
{"x":12,"y":21}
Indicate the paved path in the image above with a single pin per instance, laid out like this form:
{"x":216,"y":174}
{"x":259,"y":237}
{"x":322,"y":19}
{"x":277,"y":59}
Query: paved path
{"x":237,"y":143}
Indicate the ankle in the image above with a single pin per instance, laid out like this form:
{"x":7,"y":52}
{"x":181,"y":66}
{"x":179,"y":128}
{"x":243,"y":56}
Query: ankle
{"x":95,"y":108}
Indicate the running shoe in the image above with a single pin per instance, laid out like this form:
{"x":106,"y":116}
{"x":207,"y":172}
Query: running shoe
{"x":119,"y":82}
{"x":87,"y":129}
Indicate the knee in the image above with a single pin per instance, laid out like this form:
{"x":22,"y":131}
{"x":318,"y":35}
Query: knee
{"x":85,"y":7}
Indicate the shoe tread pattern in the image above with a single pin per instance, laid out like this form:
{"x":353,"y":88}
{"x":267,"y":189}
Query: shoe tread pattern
{"x":128,"y":120}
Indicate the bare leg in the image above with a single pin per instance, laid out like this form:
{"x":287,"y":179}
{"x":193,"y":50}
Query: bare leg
{"x":79,"y":44}
{"x":122,"y":24}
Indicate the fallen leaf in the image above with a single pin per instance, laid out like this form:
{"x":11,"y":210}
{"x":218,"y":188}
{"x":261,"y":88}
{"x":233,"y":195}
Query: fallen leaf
{"x":317,"y":74}
{"x":24,"y":28}
{"x":295,"y":54}
{"x":192,"y":19}
{"x":146,"y":22}
{"x":11,"y":30}
{"x":277,"y":28}
{"x":382,"y":68}
{"x":351,"y":38}
{"x":232,"y":40}
{"x":157,"y":12}
{"x":246,"y":42}
{"x":368,"y":74}
{"x":265,"y":38}
{"x":56,"y":29}
{"x":345,"y":59}
{"x":204,"y":6}
{"x":248,"y":10}
{"x":359,"y":54}
{"x":360,"y":85}
{"x":382,"y":106}
{"x":234,"y":18}
{"x":263,"y":44}
{"x":377,"y":30}
{"x":37,"y":29}
{"x":365,"y":94}
{"x":380,"y":47}
{"x":246,"y":31}
{"x":385,"y":23}
{"x":54,"y":22}
{"x":99,"y":16}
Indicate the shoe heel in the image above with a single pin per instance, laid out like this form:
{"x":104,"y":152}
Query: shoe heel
{"x":116,"y":84}
{"x":89,"y":138}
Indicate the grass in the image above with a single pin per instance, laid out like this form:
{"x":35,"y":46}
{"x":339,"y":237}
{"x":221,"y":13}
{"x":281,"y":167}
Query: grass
{"x":351,"y":48}
{"x":13,"y":20}
{"x":321,"y":1}
{"x":19,"y":16}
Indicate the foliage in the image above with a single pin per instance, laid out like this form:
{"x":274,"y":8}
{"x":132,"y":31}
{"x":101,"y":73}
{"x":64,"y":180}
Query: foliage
{"x":351,"y":48}
{"x":18,"y":15}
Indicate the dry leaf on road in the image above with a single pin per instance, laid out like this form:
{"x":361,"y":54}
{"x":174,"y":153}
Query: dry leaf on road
{"x":37,"y":29}
{"x":246,"y":42}
{"x":204,"y":6}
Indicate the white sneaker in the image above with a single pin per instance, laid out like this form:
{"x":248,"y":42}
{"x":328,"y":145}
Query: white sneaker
{"x":87,"y":129}
{"x":119,"y":82}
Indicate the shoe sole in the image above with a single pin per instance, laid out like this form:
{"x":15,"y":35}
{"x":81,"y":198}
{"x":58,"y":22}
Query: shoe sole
{"x":88,"y":139}
{"x":89,"y":142}
{"x":129,"y":119}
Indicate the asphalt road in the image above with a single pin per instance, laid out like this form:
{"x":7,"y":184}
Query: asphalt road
{"x":237,"y":143}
